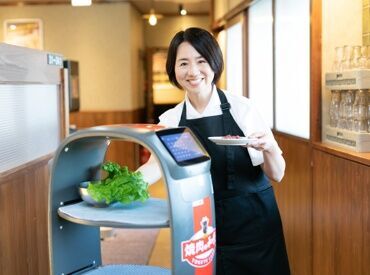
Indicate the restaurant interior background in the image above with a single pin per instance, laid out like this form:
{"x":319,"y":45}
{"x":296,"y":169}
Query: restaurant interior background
{"x":277,"y":52}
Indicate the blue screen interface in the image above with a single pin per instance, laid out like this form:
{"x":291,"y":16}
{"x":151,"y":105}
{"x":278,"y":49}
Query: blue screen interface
{"x":182,"y":146}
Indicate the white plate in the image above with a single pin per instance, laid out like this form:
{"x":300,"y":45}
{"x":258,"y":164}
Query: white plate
{"x":232,"y":141}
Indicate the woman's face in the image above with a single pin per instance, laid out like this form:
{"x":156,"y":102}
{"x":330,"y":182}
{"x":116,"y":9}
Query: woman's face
{"x":192,"y":70}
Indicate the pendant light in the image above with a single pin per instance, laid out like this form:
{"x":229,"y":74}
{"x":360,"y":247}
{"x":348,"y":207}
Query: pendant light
{"x":152,"y":17}
{"x":80,"y":3}
{"x":182,"y":10}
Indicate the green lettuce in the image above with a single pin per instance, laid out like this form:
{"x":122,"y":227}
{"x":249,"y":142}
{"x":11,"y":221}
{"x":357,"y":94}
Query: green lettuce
{"x":120,"y":185}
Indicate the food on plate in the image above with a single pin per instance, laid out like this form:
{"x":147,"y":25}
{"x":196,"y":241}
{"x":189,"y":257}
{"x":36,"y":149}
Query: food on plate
{"x":120,"y":185}
{"x":231,"y":137}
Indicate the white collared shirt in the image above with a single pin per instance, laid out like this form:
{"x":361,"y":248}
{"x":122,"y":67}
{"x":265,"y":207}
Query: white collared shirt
{"x":243,"y":112}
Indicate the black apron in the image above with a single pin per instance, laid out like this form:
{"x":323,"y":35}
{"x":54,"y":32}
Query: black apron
{"x":249,"y":234}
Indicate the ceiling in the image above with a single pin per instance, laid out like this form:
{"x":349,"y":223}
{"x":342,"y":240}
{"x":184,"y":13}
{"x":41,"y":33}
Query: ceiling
{"x":165,"y":7}
{"x":172,"y":6}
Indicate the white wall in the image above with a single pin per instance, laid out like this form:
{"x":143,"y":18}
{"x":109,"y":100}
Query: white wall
{"x":104,"y":38}
{"x":137,"y":59}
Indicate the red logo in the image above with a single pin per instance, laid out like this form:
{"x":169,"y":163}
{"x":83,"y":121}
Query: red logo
{"x":199,"y":251}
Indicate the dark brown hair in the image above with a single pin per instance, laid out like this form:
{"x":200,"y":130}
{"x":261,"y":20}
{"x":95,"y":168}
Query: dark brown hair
{"x":204,"y":43}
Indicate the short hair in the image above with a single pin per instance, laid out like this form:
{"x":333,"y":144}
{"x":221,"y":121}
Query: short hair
{"x":204,"y":43}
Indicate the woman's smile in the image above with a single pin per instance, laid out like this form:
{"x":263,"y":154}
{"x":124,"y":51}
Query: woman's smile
{"x":195,"y":82}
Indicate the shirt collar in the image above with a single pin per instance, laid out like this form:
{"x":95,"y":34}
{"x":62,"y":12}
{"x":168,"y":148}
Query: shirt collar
{"x":212,"y":108}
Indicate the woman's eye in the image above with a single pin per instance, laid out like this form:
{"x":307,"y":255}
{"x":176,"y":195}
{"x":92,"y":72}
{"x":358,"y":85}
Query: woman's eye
{"x":182,"y":64}
{"x":202,"y":61}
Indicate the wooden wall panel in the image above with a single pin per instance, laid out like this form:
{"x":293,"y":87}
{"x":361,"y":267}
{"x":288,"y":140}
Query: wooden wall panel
{"x":294,"y":195}
{"x":341,"y":215}
{"x":23,"y":213}
{"x":125,"y":153}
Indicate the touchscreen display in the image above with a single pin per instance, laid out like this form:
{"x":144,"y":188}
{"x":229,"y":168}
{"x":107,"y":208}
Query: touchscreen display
{"x":183,"y":147}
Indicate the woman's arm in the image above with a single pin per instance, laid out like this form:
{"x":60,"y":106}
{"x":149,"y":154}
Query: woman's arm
{"x":150,"y":170}
{"x":274,"y":163}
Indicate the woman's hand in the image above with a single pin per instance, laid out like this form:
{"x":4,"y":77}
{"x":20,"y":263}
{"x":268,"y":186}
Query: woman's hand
{"x":262,"y":143}
{"x":274,"y":163}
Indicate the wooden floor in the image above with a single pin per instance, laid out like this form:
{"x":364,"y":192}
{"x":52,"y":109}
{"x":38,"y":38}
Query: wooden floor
{"x":161,"y":254}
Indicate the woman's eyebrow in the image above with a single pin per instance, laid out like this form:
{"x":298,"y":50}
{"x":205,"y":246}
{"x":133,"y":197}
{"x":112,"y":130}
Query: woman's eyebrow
{"x":182,"y":59}
{"x":185,"y":59}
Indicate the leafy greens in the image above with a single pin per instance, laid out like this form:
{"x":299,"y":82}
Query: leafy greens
{"x":120,"y":185}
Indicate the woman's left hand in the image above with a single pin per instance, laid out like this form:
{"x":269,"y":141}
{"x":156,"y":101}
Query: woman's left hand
{"x":273,"y":164}
{"x":263,"y":141}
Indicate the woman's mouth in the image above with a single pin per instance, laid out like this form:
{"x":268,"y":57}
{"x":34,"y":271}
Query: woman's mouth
{"x":195,"y":82}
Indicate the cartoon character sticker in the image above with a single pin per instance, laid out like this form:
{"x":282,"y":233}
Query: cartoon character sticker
{"x":199,"y":250}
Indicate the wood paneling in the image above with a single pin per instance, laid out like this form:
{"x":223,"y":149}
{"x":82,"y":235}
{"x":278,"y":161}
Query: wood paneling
{"x":294,"y":196}
{"x":23,"y":213}
{"x":125,"y":153}
{"x":315,"y":70}
{"x":341,"y":215}
{"x":84,"y":119}
{"x":363,"y":158}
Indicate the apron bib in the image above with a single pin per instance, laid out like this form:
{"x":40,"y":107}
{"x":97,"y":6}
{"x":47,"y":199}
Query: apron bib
{"x":249,"y":232}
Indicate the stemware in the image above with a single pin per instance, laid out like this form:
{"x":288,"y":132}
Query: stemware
{"x":337,"y":64}
{"x":347,"y":58}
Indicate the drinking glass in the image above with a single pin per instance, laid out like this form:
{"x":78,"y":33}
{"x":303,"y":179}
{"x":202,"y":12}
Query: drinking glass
{"x":368,"y":57}
{"x":337,"y":64}
{"x":355,"y":60}
{"x":348,"y":109}
{"x":363,"y":58}
{"x":360,"y":111}
{"x":334,"y":108}
{"x":342,"y":123}
{"x":347,"y":58}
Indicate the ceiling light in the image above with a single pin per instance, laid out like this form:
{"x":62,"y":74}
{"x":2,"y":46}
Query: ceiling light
{"x":80,"y":3}
{"x":152,"y":17}
{"x":152,"y":20}
{"x":182,"y":11}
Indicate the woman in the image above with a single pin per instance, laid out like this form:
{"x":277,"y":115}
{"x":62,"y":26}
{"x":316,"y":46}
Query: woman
{"x":249,"y":232}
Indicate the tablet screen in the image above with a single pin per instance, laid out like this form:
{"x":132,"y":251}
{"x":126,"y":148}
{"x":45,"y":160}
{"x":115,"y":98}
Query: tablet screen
{"x":182,"y":146}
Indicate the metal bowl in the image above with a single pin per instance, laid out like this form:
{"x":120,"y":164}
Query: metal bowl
{"x":82,"y":189}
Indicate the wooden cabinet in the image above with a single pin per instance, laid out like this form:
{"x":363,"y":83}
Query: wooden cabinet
{"x":341,"y":215}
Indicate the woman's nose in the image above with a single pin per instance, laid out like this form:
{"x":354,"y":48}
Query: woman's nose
{"x":193,"y":70}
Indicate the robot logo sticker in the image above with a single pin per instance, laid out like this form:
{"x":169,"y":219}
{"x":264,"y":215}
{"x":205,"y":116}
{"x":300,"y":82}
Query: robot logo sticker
{"x":200,"y":249}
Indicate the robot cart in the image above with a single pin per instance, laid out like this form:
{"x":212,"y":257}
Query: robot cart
{"x":189,"y":212}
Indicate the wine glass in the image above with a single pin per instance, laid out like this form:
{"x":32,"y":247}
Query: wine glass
{"x":337,"y":67}
{"x":347,"y":58}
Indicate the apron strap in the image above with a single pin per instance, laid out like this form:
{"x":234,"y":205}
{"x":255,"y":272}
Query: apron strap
{"x":227,"y":120}
{"x":183,"y":114}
